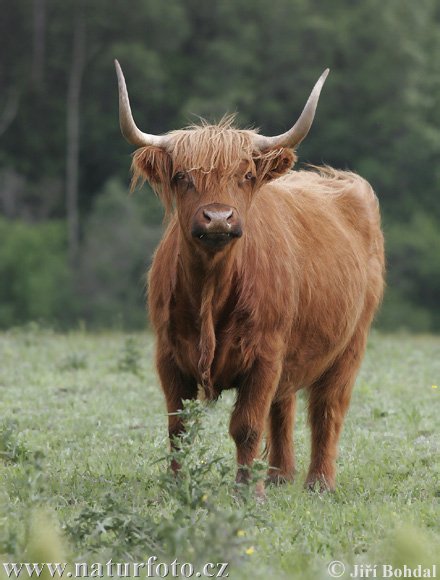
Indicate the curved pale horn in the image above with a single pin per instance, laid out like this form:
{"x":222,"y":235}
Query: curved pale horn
{"x":126,"y":121}
{"x":297,"y":133}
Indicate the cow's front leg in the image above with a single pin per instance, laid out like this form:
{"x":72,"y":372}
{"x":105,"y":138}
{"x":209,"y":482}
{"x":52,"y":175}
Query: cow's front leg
{"x":177,"y":387}
{"x":248,"y":419}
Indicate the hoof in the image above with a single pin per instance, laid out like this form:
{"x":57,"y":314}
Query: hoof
{"x":277,"y":477}
{"x":241,"y":492}
{"x":319,"y":484}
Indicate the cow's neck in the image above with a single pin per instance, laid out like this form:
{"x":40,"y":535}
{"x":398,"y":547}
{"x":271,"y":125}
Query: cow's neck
{"x":207,"y":279}
{"x":208,"y":283}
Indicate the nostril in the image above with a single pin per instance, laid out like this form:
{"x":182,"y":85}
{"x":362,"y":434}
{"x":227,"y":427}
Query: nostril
{"x":207,"y":215}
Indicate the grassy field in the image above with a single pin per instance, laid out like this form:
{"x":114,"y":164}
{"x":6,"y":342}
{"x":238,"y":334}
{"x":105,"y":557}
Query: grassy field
{"x":83,"y":477}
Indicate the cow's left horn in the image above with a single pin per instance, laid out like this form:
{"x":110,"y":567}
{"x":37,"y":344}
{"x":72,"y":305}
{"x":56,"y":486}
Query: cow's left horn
{"x":128,"y":126}
{"x":296,"y":134}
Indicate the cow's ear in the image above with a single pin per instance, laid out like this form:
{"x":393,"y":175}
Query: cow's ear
{"x":273,"y":164}
{"x":153,"y":164}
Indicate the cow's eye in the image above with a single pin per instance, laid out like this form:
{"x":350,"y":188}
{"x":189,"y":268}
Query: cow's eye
{"x":249,"y":175}
{"x":179,"y":176}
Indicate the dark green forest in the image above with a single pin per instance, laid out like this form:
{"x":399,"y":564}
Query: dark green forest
{"x":74,"y":246}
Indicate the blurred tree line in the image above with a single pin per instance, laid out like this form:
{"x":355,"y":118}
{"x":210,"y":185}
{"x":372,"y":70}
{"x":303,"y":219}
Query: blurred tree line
{"x":74,"y":246}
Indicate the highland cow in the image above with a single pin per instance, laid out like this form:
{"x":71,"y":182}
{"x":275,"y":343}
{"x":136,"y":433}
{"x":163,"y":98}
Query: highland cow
{"x":266,"y":281}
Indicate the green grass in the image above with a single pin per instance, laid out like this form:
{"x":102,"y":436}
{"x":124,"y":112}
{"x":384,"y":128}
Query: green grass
{"x":82,"y":476}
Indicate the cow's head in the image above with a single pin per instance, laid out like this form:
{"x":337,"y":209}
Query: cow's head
{"x":210,"y":173}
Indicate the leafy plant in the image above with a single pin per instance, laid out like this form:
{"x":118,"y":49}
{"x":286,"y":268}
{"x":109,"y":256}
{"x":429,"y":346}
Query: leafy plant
{"x":194,"y":510}
{"x":195,"y":495}
{"x":130,"y":361}
{"x":110,"y":524}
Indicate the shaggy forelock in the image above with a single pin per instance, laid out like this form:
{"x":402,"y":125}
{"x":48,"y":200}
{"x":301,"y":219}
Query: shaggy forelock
{"x":211,"y":148}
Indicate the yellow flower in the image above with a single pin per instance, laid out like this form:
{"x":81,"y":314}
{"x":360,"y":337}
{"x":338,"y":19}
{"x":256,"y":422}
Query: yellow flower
{"x":191,"y":549}
{"x":204,"y":497}
{"x":240,"y":533}
{"x":307,"y":512}
{"x":434,"y":386}
{"x":250,"y":551}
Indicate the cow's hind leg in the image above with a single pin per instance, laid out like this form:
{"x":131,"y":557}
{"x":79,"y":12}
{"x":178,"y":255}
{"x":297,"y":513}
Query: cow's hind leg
{"x":329,"y":398}
{"x":280,"y":440}
{"x":177,"y":387}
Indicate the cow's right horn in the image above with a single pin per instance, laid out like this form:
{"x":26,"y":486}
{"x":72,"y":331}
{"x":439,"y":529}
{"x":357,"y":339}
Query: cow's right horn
{"x":126,"y":121}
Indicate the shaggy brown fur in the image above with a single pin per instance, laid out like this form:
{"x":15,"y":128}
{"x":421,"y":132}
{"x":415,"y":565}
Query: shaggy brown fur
{"x":285,"y":307}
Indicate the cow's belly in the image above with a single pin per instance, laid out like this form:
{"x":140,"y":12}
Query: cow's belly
{"x":306,"y":357}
